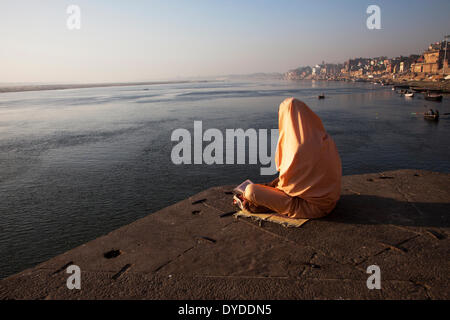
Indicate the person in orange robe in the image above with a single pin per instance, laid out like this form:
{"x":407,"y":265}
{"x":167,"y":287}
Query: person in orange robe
{"x":309,"y":181}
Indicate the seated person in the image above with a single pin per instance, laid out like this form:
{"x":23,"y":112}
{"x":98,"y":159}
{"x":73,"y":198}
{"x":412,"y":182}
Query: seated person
{"x":309,"y":181}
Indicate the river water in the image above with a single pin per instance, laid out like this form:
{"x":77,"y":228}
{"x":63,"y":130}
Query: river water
{"x":76,"y":164}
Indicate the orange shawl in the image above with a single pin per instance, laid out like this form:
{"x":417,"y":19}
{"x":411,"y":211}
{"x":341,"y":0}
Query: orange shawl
{"x":307,"y":157}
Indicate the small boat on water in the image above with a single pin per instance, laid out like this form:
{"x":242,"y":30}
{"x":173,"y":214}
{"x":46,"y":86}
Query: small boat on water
{"x":431,"y":115}
{"x":321,"y":96}
{"x":409,"y":94}
{"x":432,"y":97}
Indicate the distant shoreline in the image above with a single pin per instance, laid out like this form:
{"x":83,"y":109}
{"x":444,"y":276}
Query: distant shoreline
{"x":435,"y":86}
{"x":23,"y":88}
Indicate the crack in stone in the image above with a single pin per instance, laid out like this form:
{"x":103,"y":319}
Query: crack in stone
{"x":199,"y":201}
{"x":172,"y":260}
{"x":63,"y":267}
{"x":212,"y":207}
{"x":397,"y":187}
{"x":124,"y":269}
{"x":388,"y":248}
{"x":393,"y":247}
{"x":424,"y":286}
{"x":436,"y":235}
{"x":405,"y":229}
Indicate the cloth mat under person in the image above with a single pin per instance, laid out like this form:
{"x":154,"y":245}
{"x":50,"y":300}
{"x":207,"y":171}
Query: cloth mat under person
{"x":272,"y":217}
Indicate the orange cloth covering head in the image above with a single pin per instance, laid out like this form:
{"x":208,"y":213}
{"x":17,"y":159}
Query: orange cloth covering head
{"x":307,"y":157}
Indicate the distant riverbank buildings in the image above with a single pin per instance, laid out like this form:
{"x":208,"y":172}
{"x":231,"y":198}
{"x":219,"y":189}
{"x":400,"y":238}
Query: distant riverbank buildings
{"x":431,"y":64}
{"x":433,"y":61}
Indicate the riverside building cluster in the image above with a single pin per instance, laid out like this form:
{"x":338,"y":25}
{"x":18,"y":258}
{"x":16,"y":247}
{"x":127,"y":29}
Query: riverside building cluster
{"x":431,"y":65}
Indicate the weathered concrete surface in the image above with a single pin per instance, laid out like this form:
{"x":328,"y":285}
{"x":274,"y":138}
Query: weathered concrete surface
{"x":397,"y":220}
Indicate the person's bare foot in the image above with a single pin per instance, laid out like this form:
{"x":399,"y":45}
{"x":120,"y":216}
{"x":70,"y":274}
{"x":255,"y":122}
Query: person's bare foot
{"x":254,"y":208}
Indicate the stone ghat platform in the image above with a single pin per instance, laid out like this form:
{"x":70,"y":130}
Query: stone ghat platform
{"x":194,"y":249}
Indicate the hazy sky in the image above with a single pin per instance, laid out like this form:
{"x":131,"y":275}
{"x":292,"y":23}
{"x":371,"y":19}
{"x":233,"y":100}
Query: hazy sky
{"x":148,"y":40}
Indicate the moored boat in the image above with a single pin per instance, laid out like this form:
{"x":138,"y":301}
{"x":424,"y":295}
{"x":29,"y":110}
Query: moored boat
{"x":432,"y":97}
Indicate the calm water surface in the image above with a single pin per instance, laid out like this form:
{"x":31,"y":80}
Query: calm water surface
{"x":76,"y":164}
